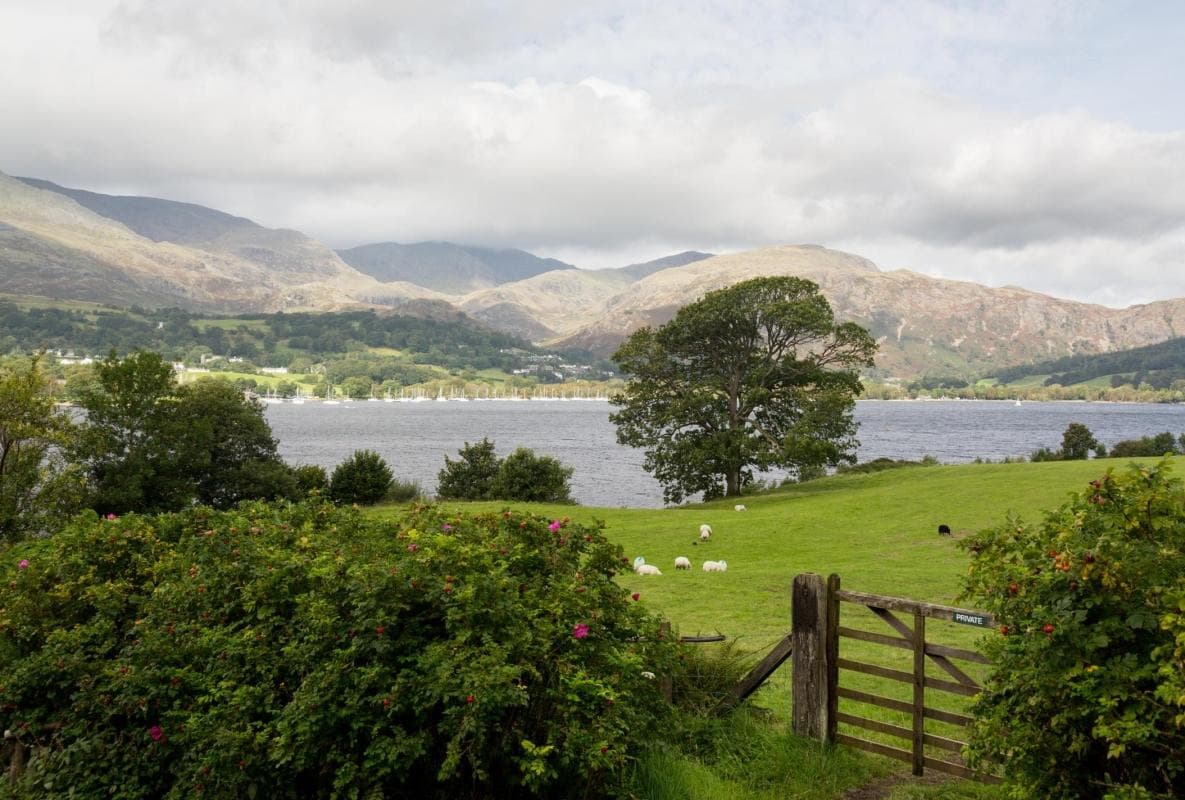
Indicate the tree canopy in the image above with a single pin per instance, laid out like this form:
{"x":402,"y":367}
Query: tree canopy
{"x":151,"y":446}
{"x":38,"y":487}
{"x":755,"y":376}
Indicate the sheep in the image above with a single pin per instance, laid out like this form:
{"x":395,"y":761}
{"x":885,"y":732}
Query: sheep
{"x":739,"y":507}
{"x":944,"y":530}
{"x":682,"y":562}
{"x":715,"y":566}
{"x":705,"y":532}
{"x":647,"y":569}
{"x":639,"y":561}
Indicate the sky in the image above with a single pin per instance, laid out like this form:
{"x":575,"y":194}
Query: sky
{"x":1034,"y":143}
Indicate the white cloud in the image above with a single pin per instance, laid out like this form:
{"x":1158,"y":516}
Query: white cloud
{"x":931,"y":135}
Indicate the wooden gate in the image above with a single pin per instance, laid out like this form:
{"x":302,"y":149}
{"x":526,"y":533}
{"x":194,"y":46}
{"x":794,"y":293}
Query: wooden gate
{"x":817,"y":660}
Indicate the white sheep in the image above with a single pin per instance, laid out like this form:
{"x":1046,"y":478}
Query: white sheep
{"x":739,"y":507}
{"x":647,"y":569}
{"x":715,"y":566}
{"x":682,"y":562}
{"x":639,"y":561}
{"x":705,"y":532}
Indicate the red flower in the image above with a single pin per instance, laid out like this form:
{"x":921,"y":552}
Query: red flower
{"x":469,"y":698}
{"x":636,"y":596}
{"x":156,"y":732}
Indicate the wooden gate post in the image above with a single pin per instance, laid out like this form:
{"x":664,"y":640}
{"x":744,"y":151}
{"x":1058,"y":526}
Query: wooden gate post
{"x":814,"y":620}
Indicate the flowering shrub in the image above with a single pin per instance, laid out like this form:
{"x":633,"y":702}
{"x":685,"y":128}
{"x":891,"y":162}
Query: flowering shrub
{"x":1086,"y":698}
{"x":306,"y":651}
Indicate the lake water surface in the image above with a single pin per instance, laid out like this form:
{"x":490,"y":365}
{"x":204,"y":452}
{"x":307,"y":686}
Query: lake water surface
{"x":414,"y":438}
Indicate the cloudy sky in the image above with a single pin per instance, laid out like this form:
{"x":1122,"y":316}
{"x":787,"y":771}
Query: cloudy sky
{"x":1038,"y":143}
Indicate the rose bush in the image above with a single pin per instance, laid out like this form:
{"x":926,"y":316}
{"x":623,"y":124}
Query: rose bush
{"x":1086,"y":698}
{"x":307,"y":651}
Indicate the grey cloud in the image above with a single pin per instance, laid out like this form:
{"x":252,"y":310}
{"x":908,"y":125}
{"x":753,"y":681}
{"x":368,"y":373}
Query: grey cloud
{"x":713,"y":126}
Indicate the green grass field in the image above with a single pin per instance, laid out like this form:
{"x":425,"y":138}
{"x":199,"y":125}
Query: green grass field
{"x":877,"y":531}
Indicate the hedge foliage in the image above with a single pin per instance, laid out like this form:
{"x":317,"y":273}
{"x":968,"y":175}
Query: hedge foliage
{"x":1087,"y":695}
{"x":305,"y":651}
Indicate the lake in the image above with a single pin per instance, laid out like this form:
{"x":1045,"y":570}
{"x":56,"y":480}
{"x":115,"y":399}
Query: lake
{"x":414,"y":438}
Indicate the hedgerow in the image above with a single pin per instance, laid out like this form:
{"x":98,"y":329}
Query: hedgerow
{"x":305,"y":651}
{"x":1086,"y":698}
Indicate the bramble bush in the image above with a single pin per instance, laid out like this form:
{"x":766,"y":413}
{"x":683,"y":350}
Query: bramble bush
{"x":306,"y":651}
{"x":1086,"y":698}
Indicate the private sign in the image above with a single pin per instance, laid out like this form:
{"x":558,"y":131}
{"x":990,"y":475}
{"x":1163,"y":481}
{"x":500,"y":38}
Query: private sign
{"x":972,"y":619}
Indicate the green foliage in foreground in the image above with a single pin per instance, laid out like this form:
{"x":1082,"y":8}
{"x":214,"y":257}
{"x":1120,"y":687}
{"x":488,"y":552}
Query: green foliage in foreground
{"x":308,"y":652}
{"x":1086,"y":698}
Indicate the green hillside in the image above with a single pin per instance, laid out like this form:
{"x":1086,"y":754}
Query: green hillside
{"x":877,"y":531}
{"x":1157,"y":365}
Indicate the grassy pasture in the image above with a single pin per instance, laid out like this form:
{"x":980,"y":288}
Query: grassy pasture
{"x":877,"y":531}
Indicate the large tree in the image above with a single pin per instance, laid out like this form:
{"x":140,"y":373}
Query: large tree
{"x":755,"y":376}
{"x":151,"y":446}
{"x":130,"y":462}
{"x":39,"y":488}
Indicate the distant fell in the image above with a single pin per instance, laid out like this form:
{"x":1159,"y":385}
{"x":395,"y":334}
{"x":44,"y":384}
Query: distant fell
{"x":638,"y":271}
{"x":923,"y":325}
{"x":153,"y":218}
{"x":62,"y":243}
{"x":446,"y":267}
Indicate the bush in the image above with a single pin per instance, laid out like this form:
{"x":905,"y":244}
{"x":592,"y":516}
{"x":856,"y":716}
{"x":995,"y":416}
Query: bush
{"x":403,"y":491}
{"x":1078,"y":442}
{"x":363,"y":478}
{"x":307,"y":652}
{"x":311,"y":478}
{"x":1086,"y":697}
{"x":882,"y":464}
{"x":1045,"y":454}
{"x":1146,"y":447}
{"x":524,"y":476}
{"x":471,"y":477}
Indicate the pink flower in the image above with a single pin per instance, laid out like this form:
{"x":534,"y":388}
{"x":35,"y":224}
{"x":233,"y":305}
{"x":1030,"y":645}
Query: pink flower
{"x":24,"y":563}
{"x":111,"y":516}
{"x":580,"y":630}
{"x":156,"y":732}
{"x":446,"y":527}
{"x":555,"y":526}
{"x":411,"y":548}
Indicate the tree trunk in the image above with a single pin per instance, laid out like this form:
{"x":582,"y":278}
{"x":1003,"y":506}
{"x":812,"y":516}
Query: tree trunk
{"x":732,"y":482}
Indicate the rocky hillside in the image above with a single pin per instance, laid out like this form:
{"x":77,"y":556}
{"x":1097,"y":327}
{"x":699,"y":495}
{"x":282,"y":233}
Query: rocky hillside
{"x":924,"y":325}
{"x":76,"y":245}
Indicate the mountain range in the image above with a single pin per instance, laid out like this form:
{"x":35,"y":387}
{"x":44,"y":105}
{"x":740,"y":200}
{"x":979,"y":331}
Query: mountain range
{"x":71,"y":244}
